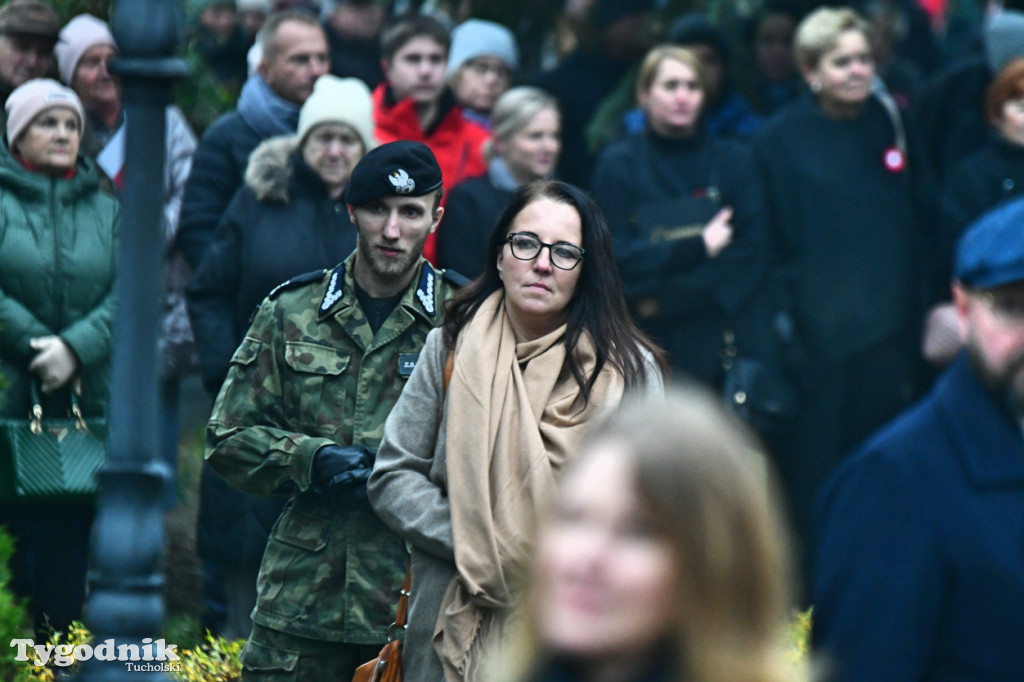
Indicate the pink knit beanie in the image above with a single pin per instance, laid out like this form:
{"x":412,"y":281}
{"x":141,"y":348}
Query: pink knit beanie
{"x":35,"y":96}
{"x":81,"y":33}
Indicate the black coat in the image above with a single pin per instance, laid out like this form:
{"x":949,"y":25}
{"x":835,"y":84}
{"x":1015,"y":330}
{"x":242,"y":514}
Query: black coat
{"x":262,"y":241}
{"x":580,"y":83}
{"x":354,"y":59}
{"x":218,"y":168}
{"x":950,"y":113}
{"x":697,"y":298}
{"x":259,"y":244}
{"x":977,"y":184}
{"x":847,"y":237}
{"x":836,"y":214}
{"x":472,"y":209}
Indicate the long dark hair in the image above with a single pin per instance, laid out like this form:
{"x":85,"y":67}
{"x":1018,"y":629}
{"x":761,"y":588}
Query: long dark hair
{"x":597,"y":306}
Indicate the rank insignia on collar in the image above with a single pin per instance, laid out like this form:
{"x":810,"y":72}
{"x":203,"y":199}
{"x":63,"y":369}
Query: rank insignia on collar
{"x":334,"y":289}
{"x":425,"y":291}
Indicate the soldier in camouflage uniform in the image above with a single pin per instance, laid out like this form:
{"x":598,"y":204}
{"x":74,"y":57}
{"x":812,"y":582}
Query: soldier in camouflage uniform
{"x":302,"y":412}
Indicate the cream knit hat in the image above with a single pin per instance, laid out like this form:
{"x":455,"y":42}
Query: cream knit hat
{"x":31,"y":98}
{"x":77,"y":36}
{"x":339,"y":100}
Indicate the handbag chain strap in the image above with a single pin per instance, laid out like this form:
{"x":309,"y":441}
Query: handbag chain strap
{"x":36,"y":413}
{"x":728,"y":352}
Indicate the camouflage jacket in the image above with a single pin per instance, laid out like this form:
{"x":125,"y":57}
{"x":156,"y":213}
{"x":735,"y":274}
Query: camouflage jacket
{"x":310,"y":372}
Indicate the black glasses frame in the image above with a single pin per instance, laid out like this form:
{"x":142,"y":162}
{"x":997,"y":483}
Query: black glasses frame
{"x":512,"y":247}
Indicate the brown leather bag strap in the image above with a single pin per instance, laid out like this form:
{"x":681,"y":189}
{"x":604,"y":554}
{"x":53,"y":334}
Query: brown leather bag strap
{"x":403,"y":600}
{"x":449,"y":367}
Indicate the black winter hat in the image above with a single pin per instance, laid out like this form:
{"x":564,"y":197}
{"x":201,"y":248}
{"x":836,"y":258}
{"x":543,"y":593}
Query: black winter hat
{"x":696,"y":29}
{"x":402,"y":168}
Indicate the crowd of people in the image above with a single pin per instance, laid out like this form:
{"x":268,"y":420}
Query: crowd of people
{"x":437,"y":267}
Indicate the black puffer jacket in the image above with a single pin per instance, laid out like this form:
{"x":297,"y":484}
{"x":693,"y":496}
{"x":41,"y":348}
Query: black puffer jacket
{"x":218,"y":167}
{"x":279,"y":225}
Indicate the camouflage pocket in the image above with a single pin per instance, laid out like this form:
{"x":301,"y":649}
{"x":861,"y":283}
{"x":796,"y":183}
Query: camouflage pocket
{"x":246,"y":352}
{"x":269,"y":663}
{"x":302,"y":529}
{"x":293,"y":555}
{"x":318,"y":384}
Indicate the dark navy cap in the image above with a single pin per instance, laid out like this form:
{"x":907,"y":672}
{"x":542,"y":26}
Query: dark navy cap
{"x":991,"y":252}
{"x":402,"y":168}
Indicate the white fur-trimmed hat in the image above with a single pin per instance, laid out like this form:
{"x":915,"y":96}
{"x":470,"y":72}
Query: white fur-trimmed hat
{"x":31,"y":98}
{"x":339,"y":100}
{"x":77,"y":36}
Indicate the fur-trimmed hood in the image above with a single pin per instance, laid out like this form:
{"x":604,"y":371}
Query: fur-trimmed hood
{"x":270,"y":168}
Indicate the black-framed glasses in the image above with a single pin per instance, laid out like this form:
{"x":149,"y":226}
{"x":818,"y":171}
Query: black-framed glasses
{"x":526,"y":246}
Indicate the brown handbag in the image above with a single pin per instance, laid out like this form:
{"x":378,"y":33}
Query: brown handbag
{"x":387,"y":667}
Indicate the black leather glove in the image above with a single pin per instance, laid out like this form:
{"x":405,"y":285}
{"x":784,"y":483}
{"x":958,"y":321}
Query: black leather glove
{"x":338,"y":469}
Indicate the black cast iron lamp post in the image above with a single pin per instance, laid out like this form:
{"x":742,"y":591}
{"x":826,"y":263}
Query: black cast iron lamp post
{"x":126,"y":582}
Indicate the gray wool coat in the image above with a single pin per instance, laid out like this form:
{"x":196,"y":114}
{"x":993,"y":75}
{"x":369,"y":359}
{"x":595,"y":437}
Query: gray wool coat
{"x":408,"y":491}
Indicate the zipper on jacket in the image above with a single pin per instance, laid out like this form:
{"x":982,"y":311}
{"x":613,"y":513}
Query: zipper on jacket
{"x":58,"y":275}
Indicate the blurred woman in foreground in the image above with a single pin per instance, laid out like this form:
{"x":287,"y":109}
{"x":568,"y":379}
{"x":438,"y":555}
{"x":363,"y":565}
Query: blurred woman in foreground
{"x":665,"y":557}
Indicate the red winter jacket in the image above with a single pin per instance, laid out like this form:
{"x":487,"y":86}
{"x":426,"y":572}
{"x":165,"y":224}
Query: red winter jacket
{"x":456,"y":142}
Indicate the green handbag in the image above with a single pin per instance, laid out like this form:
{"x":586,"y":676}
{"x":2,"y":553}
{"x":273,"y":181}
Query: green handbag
{"x":46,"y":459}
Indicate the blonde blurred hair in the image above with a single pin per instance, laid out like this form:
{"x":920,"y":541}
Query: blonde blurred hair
{"x":513,"y":111}
{"x":704,"y":477}
{"x":658,"y":56}
{"x":818,"y":34}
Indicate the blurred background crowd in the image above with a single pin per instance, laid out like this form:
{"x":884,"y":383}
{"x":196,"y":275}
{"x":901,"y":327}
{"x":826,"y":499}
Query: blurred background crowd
{"x":785,"y":184}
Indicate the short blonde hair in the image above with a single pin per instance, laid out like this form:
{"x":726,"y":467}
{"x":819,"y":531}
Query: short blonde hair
{"x":658,"y":56}
{"x":819,"y":33}
{"x":513,"y":111}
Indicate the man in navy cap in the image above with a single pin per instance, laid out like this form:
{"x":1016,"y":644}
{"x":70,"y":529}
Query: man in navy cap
{"x":921,"y":563}
{"x":301,"y":414}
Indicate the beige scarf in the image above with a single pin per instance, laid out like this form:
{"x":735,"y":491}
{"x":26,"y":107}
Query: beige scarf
{"x":514,"y":416}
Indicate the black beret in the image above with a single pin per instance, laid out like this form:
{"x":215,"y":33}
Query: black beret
{"x":402,"y":168}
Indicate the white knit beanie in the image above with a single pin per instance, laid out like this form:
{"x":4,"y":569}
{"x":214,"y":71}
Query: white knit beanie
{"x":81,"y":33}
{"x":478,"y":38}
{"x":33,"y":97}
{"x":339,"y":100}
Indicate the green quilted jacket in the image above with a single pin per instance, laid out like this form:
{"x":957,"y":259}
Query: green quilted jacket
{"x":57,"y":250}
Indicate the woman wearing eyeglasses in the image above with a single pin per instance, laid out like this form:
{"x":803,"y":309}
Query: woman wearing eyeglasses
{"x":541,"y":344}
